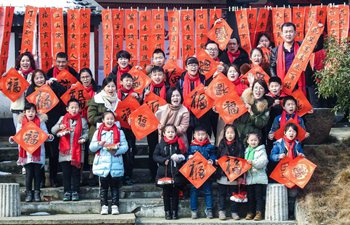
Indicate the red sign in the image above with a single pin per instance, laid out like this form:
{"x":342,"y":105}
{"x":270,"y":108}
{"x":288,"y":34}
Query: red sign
{"x":143,"y":122}
{"x":233,"y":167}
{"x":13,"y":84}
{"x":198,"y":102}
{"x":154,"y":101}
{"x":44,"y":99}
{"x":125,"y":108}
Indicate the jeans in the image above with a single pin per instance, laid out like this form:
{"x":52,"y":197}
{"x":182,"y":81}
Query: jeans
{"x":33,"y":172}
{"x":71,"y":177}
{"x":225,"y":192}
{"x":206,"y":188}
{"x":255,"y":194}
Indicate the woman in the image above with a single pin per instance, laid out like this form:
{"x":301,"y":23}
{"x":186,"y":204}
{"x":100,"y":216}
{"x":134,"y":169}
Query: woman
{"x":86,"y":79}
{"x":234,"y":53}
{"x":174,"y":113}
{"x":25,"y":65}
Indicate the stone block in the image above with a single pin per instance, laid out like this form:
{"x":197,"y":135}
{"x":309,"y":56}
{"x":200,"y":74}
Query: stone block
{"x":276,"y":203}
{"x":9,"y":200}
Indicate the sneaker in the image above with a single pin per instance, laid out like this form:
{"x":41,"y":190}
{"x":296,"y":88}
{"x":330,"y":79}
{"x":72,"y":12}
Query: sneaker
{"x":249,"y":216}
{"x":115,"y":210}
{"x":23,"y":170}
{"x":258,"y":216}
{"x":222,"y":215}
{"x":194,"y":215}
{"x":67,"y":196}
{"x":235,"y":216}
{"x":209,"y":213}
{"x":29,"y":196}
{"x":37,"y":197}
{"x":104,"y":210}
{"x":75,"y":196}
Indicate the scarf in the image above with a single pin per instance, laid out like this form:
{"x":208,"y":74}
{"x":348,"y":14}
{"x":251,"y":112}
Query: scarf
{"x":25,"y":73}
{"x":65,"y":140}
{"x":229,"y":142}
{"x":290,"y":147}
{"x":161,"y":86}
{"x":239,"y":86}
{"x":120,"y":72}
{"x":90,"y":91}
{"x":233,"y":56}
{"x":110,"y":101}
{"x":55,"y":72}
{"x":284,"y":120}
{"x":188,"y":80}
{"x":249,"y":155}
{"x":177,"y":140}
{"x":122,"y":91}
{"x":281,"y":66}
{"x":22,"y":153}
{"x":195,"y":142}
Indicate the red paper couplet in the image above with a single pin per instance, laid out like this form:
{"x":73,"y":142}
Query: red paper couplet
{"x":125,"y":108}
{"x":107,"y":33}
{"x":78,"y":92}
{"x":13,"y":84}
{"x":277,"y":22}
{"x":301,"y":132}
{"x":154,"y":101}
{"x":131,"y":35}
{"x":158,"y":28}
{"x":29,"y":28}
{"x":300,"y":171}
{"x":44,"y":99}
{"x":233,"y":167}
{"x":66,"y":79}
{"x":198,"y":102}
{"x":84,"y":61}
{"x":145,"y":37}
{"x":45,"y":38}
{"x":141,"y":80}
{"x":299,"y":20}
{"x":6,"y":23}
{"x":219,"y":87}
{"x":243,"y":29}
{"x":174,"y":22}
{"x":221,"y":33}
{"x":230,"y":107}
{"x":201,"y":28}
{"x":278,"y":174}
{"x":143,"y":122}
{"x":57,"y":31}
{"x":73,"y":37}
{"x":187,"y":22}
{"x":118,"y":32}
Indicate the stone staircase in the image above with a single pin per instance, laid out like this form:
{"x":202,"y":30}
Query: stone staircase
{"x":139,"y":204}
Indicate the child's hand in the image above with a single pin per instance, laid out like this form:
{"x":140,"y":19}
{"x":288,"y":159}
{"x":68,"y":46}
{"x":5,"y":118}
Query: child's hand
{"x":311,"y":111}
{"x":138,"y":67}
{"x":249,"y":162}
{"x":210,"y":162}
{"x":81,"y":141}
{"x":216,"y":73}
{"x":307,"y":134}
{"x":190,"y":156}
{"x":112,"y":151}
{"x":166,"y":162}
{"x":220,"y":68}
{"x":282,"y":156}
{"x":102,"y":143}
{"x":271,"y":136}
{"x":147,"y":92}
{"x":135,"y":95}
{"x":251,"y":79}
{"x":214,"y":109}
{"x":62,"y":126}
{"x":276,"y":102}
{"x":11,"y":139}
{"x":240,"y":181}
{"x":301,"y":154}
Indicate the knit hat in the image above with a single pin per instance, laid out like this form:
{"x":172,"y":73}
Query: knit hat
{"x":192,"y":60}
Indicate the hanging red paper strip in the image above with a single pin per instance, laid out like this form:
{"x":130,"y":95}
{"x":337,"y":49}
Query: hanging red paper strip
{"x":201,"y":29}
{"x":118,"y":32}
{"x":214,"y":14}
{"x":262,"y":21}
{"x":311,"y":17}
{"x":131,"y":37}
{"x":6,"y":23}
{"x":73,"y":37}
{"x":145,"y":37}
{"x":29,"y":29}
{"x":333,"y":22}
{"x":321,"y":14}
{"x":252,"y":14}
{"x":173,"y":24}
{"x":287,"y":15}
{"x":343,"y":22}
{"x":299,"y":21}
{"x":57,"y":31}
{"x":277,"y":22}
{"x":84,"y":61}
{"x":45,"y":38}
{"x":187,"y":22}
{"x":158,"y":28}
{"x":107,"y":34}
{"x":243,"y":29}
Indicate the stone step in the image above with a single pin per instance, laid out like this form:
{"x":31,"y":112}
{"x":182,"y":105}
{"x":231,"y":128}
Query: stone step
{"x":8,"y":153}
{"x":189,"y":221}
{"x":10,"y":166}
{"x":145,"y":190}
{"x":64,"y":219}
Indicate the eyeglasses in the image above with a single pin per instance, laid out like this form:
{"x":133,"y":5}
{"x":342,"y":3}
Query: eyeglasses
{"x":193,"y":65}
{"x":212,"y":49}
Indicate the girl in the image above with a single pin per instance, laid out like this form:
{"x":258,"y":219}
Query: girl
{"x":266,"y":45}
{"x":256,"y":57}
{"x":256,"y":179}
{"x":169,"y":154}
{"x":33,"y":163}
{"x":109,"y":144}
{"x":288,"y":146}
{"x":228,"y":147}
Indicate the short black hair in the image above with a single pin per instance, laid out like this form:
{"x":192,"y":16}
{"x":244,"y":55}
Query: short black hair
{"x":106,"y":81}
{"x":109,"y":112}
{"x":253,"y":133}
{"x":211,"y":42}
{"x":275,"y":79}
{"x":29,"y":106}
{"x":123,"y":54}
{"x":289,"y":24}
{"x":236,"y":68}
{"x":73,"y":100}
{"x":264,"y":35}
{"x":62,"y":55}
{"x":292,"y":125}
{"x":287,"y":98}
{"x":169,"y":125}
{"x":125,"y":75}
{"x":157,"y":69}
{"x":169,"y":93}
{"x":200,"y":128}
{"x":257,"y":49}
{"x":158,"y":50}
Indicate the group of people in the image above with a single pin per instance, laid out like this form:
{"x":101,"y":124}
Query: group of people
{"x":77,"y":132}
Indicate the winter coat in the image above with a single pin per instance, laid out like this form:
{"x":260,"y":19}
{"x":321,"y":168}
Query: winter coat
{"x":257,"y":174}
{"x":55,"y":129}
{"x":279,"y":147}
{"x":276,"y":122}
{"x":208,"y":151}
{"x":163,"y":152}
{"x":105,"y":163}
{"x":241,"y":59}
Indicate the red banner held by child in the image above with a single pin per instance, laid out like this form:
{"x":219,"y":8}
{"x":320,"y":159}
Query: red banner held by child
{"x":230,"y":107}
{"x":158,"y":28}
{"x":233,"y":167}
{"x":198,"y":102}
{"x":300,"y":171}
{"x":13,"y":85}
{"x":66,"y":79}
{"x":258,"y":73}
{"x":278,"y":174}
{"x":45,"y":38}
{"x":187,"y":22}
{"x":57,"y":31}
{"x":29,"y":28}
{"x":143,"y":122}
{"x":125,"y":108}
{"x":301,"y":132}
{"x":44,"y":99}
{"x":154,"y":101}
{"x":303,"y":105}
{"x":141,"y":80}
{"x":201,"y":28}
{"x":220,"y":86}
{"x":78,"y":92}
{"x":173,"y":72}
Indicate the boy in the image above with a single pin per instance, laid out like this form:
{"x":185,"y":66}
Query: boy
{"x":289,"y":112}
{"x":202,"y":145}
{"x":61,"y":63}
{"x":126,"y":82}
{"x":72,"y":130}
{"x":158,"y":59}
{"x":123,"y":66}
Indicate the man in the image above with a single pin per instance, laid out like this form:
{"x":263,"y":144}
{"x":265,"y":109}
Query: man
{"x":61,"y":63}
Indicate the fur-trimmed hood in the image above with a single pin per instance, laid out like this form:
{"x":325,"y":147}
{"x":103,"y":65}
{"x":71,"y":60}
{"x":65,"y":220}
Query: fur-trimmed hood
{"x":260,"y":105}
{"x":42,"y":117}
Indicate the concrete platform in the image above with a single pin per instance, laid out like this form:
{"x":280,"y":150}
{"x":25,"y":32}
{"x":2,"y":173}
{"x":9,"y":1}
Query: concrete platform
{"x":188,"y":221}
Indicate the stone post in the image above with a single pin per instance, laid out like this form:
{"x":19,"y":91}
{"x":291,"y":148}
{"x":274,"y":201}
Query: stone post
{"x":9,"y":200}
{"x":276,"y":202}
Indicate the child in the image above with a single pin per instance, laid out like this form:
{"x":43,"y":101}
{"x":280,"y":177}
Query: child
{"x":123,"y":66}
{"x":72,"y":130}
{"x":159,"y":88}
{"x":233,"y":76}
{"x":256,"y":179}
{"x":202,"y":145}
{"x":126,"y":82}
{"x":228,"y":147}
{"x":108,"y":162}
{"x":289,"y":112}
{"x":169,"y":154}
{"x":33,"y":163}
{"x":158,"y":59}
{"x":288,"y":146}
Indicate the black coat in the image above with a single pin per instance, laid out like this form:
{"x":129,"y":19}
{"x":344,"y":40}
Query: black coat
{"x":242,"y":58}
{"x":236,"y":149}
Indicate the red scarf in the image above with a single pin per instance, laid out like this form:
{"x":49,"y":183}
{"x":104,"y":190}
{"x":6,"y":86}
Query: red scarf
{"x":120,"y":72}
{"x":55,"y":72}
{"x":162,"y":92}
{"x":230,"y":142}
{"x":200,"y":143}
{"x":281,"y":66}
{"x":91,"y":93}
{"x":187,"y":83}
{"x":122,"y":91}
{"x":239,"y":86}
{"x":65,"y":140}
{"x":179,"y":141}
{"x":283,"y":120}
{"x":233,"y":56}
{"x":22,"y":153}
{"x":116,"y":133}
{"x":25,"y":73}
{"x":290,"y":147}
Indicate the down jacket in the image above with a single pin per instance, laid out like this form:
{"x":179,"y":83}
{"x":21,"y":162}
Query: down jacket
{"x":105,"y":163}
{"x":279,"y":147}
{"x":257,"y":174}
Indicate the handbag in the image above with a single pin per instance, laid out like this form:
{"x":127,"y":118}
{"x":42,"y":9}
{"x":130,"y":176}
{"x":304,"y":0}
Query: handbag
{"x":165,"y":180}
{"x":240,"y":196}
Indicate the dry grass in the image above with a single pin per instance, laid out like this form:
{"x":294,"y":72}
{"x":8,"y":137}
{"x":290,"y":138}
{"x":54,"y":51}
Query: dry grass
{"x":327,"y":196}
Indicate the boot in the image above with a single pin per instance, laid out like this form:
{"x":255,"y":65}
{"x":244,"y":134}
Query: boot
{"x":167,"y":215}
{"x":115,"y":196}
{"x":175,"y":215}
{"x":29,"y":196}
{"x":103,"y":197}
{"x":37,"y":197}
{"x":258,"y":216}
{"x":249,"y":216}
